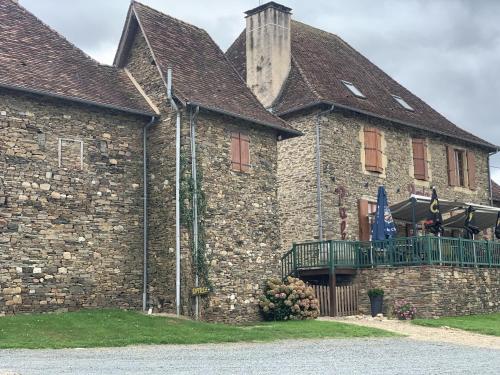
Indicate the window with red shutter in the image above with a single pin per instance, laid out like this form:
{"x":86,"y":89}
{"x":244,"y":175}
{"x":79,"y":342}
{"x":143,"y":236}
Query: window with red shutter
{"x":471,"y":170}
{"x":240,"y":152}
{"x":373,"y":150}
{"x":420,"y":159}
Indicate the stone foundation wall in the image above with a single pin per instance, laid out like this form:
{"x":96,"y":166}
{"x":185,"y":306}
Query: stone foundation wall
{"x":434,"y":290}
{"x":70,"y":237}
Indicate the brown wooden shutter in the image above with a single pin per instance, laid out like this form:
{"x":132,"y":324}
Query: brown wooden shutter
{"x":364,"y":222}
{"x":235,"y":152}
{"x":420,"y":159}
{"x":373,"y":150}
{"x":245,"y":152}
{"x":471,"y":170}
{"x":452,"y":166}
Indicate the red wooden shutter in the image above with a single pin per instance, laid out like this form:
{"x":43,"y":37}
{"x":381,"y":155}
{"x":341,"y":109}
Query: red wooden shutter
{"x":364,"y":222}
{"x":235,"y":152}
{"x":471,"y":170}
{"x":452,"y":166}
{"x":245,"y":152}
{"x":420,"y":159}
{"x":373,"y":150}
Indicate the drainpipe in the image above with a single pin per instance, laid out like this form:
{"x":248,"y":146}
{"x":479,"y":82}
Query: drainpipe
{"x":193,"y":118}
{"x":145,"y":212}
{"x":489,"y":177}
{"x":177,"y":194}
{"x":318,"y":171}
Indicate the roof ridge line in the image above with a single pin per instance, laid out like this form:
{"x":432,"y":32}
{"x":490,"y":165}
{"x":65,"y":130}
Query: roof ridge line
{"x":303,"y":76}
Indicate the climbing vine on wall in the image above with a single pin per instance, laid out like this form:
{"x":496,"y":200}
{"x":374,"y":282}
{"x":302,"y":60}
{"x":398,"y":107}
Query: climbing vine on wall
{"x":199,"y":258}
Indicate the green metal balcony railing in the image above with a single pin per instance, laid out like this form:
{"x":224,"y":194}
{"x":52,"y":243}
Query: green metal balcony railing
{"x":407,"y":251}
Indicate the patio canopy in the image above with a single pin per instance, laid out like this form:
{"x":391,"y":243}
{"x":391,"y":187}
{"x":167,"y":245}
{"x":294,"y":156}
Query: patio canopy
{"x":416,"y":209}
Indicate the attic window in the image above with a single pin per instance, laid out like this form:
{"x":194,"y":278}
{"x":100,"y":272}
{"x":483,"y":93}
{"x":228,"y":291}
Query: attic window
{"x":403,"y":103}
{"x":353,"y":89}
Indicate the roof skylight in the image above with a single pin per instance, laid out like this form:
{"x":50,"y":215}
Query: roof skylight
{"x":403,"y":103}
{"x":353,"y":89}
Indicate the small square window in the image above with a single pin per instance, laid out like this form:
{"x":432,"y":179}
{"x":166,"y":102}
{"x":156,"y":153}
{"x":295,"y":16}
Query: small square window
{"x":353,"y":89}
{"x":403,"y":103}
{"x":70,"y":153}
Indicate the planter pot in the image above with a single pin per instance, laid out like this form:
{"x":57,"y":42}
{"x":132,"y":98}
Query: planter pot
{"x":376,"y":305}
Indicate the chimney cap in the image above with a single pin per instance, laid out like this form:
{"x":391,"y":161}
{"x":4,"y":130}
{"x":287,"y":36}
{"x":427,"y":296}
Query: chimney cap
{"x":270,"y":4}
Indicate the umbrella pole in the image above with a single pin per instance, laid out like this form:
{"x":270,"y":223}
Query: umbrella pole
{"x":413,"y":215}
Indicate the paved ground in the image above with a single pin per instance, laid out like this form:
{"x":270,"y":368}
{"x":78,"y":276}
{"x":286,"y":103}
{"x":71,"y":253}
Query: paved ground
{"x":415,"y":332}
{"x":353,"y":356}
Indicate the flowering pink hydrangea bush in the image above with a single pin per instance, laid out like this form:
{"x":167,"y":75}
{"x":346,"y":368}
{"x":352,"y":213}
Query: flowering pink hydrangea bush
{"x":404,"y":310}
{"x":291,"y":299}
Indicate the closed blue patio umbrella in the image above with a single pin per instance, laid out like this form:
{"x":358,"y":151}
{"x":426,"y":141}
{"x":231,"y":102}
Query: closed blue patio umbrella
{"x":383,"y":226}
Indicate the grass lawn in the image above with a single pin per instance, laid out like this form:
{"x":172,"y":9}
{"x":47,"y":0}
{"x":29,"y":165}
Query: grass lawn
{"x":488,"y":324}
{"x":99,"y":328}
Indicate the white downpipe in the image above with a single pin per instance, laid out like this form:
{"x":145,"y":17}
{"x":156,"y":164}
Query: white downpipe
{"x":177,"y":194}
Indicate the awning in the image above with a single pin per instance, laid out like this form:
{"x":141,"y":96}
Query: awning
{"x":416,"y":208}
{"x":484,"y":217}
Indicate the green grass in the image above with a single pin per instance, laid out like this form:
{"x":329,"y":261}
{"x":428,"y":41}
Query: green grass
{"x":488,"y":324}
{"x":101,"y":328}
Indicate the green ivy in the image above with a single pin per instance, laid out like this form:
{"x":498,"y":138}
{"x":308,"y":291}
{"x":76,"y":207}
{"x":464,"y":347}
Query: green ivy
{"x":200,"y":260}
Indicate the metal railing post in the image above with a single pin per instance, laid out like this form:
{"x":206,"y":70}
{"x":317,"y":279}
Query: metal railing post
{"x":460,"y":252}
{"x":294,"y":258}
{"x":488,"y":252}
{"x":429,"y":250}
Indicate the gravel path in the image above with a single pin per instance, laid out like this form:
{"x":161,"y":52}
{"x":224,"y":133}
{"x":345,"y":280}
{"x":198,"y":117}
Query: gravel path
{"x":420,"y":333}
{"x":343,"y":356}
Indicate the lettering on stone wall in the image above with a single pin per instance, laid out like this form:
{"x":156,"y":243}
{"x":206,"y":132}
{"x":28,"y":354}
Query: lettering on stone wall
{"x":341,"y":191}
{"x":421,"y":190}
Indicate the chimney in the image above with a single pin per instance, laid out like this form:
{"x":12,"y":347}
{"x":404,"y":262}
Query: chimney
{"x":268,"y":50}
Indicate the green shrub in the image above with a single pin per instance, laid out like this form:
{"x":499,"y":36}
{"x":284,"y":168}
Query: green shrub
{"x":375,"y":292}
{"x":291,"y":299}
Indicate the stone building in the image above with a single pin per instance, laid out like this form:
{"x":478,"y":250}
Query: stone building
{"x":166,"y":181}
{"x":361,"y":130}
{"x":495,"y":193}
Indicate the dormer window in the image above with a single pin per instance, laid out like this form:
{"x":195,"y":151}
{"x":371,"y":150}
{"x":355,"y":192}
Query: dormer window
{"x":353,"y":89}
{"x":403,"y":103}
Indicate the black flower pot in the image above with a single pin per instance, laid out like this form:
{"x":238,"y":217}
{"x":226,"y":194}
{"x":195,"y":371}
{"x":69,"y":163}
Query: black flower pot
{"x":376,"y":304}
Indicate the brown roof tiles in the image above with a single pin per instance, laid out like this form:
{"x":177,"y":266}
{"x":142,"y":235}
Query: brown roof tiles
{"x":202,"y":75}
{"x":321,"y":60}
{"x":35,"y":58}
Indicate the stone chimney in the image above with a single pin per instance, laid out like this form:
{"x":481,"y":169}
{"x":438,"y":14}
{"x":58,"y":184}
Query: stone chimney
{"x":268,"y":50}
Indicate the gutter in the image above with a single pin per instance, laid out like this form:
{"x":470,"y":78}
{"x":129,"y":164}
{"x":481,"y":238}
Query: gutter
{"x":177,"y":194}
{"x":319,"y":201}
{"x":145,"y":212}
{"x":368,"y":113}
{"x":293,"y":132}
{"x":77,"y":100}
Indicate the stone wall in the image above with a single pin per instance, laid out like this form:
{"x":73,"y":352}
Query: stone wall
{"x":342,"y":171}
{"x":70,"y":237}
{"x":241,"y":223}
{"x":434,"y":290}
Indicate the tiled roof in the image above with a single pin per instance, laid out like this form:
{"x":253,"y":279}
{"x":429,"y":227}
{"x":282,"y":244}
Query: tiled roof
{"x":321,"y":60}
{"x":495,"y":189}
{"x":201,"y":73}
{"x":35,"y":58}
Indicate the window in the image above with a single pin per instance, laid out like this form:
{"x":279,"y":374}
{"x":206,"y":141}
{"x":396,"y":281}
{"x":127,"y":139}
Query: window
{"x":240,"y":152}
{"x":373,"y":150}
{"x":461,"y":168}
{"x":403,"y":103}
{"x":353,"y":89}
{"x":420,"y":167}
{"x":366,"y":210}
{"x":70,"y":153}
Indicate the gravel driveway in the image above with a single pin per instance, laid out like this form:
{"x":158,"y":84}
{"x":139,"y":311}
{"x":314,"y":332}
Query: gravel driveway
{"x":352,"y":356}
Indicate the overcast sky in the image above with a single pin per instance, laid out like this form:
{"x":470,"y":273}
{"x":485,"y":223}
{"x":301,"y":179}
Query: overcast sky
{"x":445,"y":51}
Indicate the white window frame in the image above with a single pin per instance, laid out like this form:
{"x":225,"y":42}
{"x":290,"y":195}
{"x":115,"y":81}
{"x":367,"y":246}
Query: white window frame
{"x":353,"y":89}
{"x":59,"y":150}
{"x":403,"y":103}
